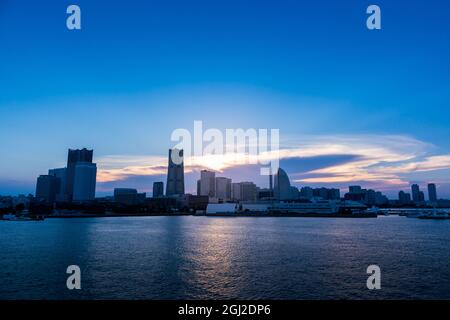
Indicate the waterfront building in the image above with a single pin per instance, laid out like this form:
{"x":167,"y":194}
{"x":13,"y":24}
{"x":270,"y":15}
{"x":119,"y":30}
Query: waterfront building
{"x":432,"y":195}
{"x":415,"y":191}
{"x":207,"y":183}
{"x":46,"y":188}
{"x":189,"y":202}
{"x":306,"y":193}
{"x":334,"y":194}
{"x":158,"y":189}
{"x":404,"y":198}
{"x":85,"y":174}
{"x":421,"y":196}
{"x":236,"y":191}
{"x":61,"y":174}
{"x":128,"y":196}
{"x":175,"y":173}
{"x":265,"y":194}
{"x":248,"y":191}
{"x":74,"y":157}
{"x":223,"y":188}
{"x":354,"y":189}
{"x":282,"y":186}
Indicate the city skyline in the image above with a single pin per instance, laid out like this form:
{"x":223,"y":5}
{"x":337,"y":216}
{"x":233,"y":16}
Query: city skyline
{"x":354,"y":107}
{"x":77,"y":182}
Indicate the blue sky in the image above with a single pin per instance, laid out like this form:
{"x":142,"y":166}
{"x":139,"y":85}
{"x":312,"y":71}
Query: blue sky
{"x":140,"y":69}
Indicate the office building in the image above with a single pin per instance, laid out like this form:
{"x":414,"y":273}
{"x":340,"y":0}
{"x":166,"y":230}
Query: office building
{"x":158,"y":189}
{"x":415,"y":191}
{"x":207,"y":184}
{"x":282,"y":187}
{"x":175,"y":173}
{"x":249,"y":191}
{"x":236,"y":191}
{"x":46,"y":188}
{"x":61,"y":175}
{"x":84,"y":181}
{"x":432,"y":195}
{"x":223,"y":188}
{"x":74,"y":157}
{"x":306,"y":192}
{"x":404,"y":198}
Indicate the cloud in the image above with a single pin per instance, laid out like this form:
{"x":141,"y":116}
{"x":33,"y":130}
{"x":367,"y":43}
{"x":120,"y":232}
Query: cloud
{"x":381,"y":160}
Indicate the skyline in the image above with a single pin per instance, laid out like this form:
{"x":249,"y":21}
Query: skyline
{"x":79,"y":178}
{"x":353,"y":106}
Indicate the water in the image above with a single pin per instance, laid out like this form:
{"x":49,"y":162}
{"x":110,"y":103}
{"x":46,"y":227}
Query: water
{"x":225,"y":258}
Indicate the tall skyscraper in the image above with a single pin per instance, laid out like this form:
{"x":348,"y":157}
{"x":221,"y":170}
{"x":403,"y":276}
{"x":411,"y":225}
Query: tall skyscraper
{"x":158,"y":189}
{"x":282,"y":189}
{"x":208,"y":183}
{"x":223,"y":188}
{"x":415,"y":190}
{"x":46,"y":188}
{"x":61,"y":174}
{"x":432,"y":195}
{"x":74,"y":157}
{"x":175,"y":173}
{"x":85,"y":176}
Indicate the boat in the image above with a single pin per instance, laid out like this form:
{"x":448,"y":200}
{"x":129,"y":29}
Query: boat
{"x":324,"y":208}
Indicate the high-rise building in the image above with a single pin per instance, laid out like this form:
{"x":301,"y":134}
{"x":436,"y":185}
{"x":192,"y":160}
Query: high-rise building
{"x":415,"y":190}
{"x":158,"y":189}
{"x":207,"y":183}
{"x":75,"y":156}
{"x":223,"y":188}
{"x":432,"y":195}
{"x":85,"y":174}
{"x":61,"y":174}
{"x":404,"y":198}
{"x":282,"y":186}
{"x":47,"y":187}
{"x":236,"y":191}
{"x":249,"y":191}
{"x":175,"y":173}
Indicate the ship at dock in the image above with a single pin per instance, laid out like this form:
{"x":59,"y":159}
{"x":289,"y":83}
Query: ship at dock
{"x":313,"y":208}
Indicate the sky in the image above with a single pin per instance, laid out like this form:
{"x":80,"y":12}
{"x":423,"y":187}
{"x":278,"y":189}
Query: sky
{"x":353,"y":106}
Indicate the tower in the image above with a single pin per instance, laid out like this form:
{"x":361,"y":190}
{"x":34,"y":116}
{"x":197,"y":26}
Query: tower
{"x":75,"y":156}
{"x":175,"y":173}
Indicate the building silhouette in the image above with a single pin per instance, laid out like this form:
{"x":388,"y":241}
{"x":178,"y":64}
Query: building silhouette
{"x":415,"y":191}
{"x":158,"y":189}
{"x":84,"y":182}
{"x":128,"y":196}
{"x":282,"y":187}
{"x":432,"y":195}
{"x":46,"y":188}
{"x":175,"y":173}
{"x":223,"y":188}
{"x":207,"y":184}
{"x":404,"y":198}
{"x":61,"y":175}
{"x":74,"y":157}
